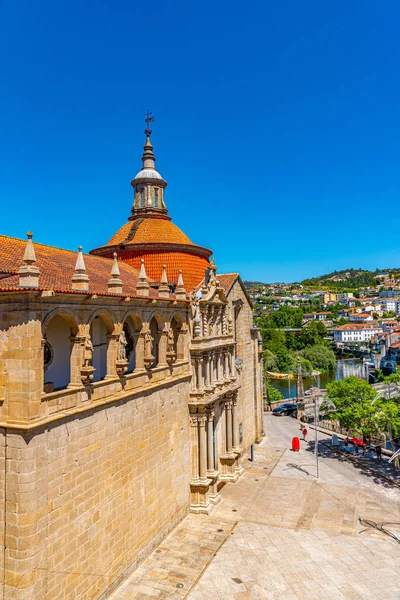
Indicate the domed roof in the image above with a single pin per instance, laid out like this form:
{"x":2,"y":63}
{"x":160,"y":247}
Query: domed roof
{"x":149,"y":231}
{"x":148,"y":174}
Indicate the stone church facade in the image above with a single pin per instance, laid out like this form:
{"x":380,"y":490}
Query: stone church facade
{"x":130,"y":388}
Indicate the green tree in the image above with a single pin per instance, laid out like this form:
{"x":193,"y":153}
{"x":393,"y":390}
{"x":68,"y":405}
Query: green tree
{"x":359,"y":407}
{"x":312,"y":335}
{"x":270,"y":361}
{"x":273,"y":339}
{"x":286,"y":361}
{"x":273,"y":395}
{"x":321,"y":357}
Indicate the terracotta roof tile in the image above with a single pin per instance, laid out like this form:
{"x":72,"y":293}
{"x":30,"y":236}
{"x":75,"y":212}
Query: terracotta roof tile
{"x":57,"y":267}
{"x":149,"y":230}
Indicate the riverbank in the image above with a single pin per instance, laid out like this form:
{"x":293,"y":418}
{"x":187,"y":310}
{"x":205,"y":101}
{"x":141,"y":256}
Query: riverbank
{"x":344,"y":368}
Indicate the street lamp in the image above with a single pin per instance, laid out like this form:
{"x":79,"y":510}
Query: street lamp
{"x":328,"y":407}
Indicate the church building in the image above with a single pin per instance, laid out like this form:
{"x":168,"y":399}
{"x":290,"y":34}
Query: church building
{"x":130,"y":389}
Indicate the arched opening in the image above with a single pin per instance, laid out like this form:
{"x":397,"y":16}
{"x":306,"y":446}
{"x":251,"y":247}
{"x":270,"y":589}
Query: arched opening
{"x":155,"y":334}
{"x":98,"y":335}
{"x":57,"y":352}
{"x":132,"y":328}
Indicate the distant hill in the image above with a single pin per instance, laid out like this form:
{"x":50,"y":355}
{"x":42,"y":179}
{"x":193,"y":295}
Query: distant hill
{"x":351,"y":278}
{"x":346,"y":279}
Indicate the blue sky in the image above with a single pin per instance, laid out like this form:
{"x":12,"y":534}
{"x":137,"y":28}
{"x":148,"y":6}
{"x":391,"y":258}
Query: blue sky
{"x":277,"y":126}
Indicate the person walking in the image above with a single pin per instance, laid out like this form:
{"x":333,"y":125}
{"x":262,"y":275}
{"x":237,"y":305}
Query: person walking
{"x":305,"y":433}
{"x":378,"y":450}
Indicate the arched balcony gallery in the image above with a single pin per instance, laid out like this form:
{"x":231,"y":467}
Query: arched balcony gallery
{"x":59,"y":352}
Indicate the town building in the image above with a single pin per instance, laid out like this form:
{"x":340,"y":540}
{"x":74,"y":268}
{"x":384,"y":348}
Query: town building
{"x":360,"y":317}
{"x":130,"y":388}
{"x":355,"y":332}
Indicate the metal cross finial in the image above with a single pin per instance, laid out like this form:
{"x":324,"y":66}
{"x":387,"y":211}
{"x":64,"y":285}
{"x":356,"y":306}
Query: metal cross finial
{"x":148,"y":119}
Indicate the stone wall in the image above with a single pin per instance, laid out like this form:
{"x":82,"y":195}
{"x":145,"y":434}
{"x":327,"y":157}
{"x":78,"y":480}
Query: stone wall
{"x":89,"y":496}
{"x":250,"y":393}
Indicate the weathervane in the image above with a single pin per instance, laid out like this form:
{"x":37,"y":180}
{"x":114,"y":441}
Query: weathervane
{"x":148,"y":119}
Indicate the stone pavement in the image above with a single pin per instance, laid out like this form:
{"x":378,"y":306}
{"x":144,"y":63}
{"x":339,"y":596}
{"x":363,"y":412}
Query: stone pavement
{"x":284,"y":535}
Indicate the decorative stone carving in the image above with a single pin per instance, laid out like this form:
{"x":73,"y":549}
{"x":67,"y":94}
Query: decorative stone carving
{"x":148,"y":349}
{"x":87,"y":370}
{"x":171,"y":353}
{"x":196,"y":320}
{"x":122,"y":362}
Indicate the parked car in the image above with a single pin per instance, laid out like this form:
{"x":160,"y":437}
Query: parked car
{"x":285,"y":409}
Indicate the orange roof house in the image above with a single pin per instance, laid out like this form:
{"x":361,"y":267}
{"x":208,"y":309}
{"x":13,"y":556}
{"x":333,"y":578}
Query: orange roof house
{"x":149,"y":233}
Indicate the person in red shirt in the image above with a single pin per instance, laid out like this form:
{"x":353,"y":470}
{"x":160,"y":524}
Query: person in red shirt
{"x":304,"y":433}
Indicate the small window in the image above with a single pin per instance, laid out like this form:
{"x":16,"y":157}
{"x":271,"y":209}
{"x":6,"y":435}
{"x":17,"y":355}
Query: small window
{"x":156,"y":198}
{"x":141,"y":192}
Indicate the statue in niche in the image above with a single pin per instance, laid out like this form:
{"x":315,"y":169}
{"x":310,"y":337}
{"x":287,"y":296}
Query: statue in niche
{"x":88,"y":353}
{"x":171,"y":341}
{"x":148,"y":344}
{"x":123,"y":342}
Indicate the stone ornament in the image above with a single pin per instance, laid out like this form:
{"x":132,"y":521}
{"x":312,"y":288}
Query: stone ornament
{"x":122,"y":362}
{"x":171,"y":353}
{"x":148,"y":349}
{"x":87,"y":369}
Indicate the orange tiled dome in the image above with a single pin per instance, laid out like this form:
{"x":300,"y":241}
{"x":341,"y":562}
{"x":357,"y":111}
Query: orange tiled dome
{"x":159,"y":242}
{"x":150,"y":234}
{"x":148,"y":230}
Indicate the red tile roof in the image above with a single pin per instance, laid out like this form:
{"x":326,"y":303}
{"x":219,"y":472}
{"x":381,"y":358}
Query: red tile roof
{"x":57,"y":267}
{"x":227,"y":280}
{"x":356,"y":327}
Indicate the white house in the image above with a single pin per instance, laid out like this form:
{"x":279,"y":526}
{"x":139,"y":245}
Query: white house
{"x":355,"y":332}
{"x":363,"y":317}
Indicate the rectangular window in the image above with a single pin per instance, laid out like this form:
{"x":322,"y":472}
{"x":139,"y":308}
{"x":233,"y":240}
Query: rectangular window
{"x":156,"y":198}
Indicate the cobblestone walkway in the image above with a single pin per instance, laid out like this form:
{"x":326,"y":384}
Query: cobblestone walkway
{"x":280,"y":534}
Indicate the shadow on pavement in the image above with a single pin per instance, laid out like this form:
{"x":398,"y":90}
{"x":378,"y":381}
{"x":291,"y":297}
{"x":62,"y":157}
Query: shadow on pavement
{"x":383,"y":473}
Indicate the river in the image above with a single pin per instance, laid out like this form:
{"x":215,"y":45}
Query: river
{"x":344,"y":368}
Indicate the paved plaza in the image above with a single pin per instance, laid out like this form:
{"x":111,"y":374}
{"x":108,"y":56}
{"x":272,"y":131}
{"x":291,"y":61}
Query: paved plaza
{"x":280,"y":533}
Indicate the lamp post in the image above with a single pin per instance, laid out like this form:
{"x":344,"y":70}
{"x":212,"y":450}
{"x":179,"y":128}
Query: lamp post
{"x":318,"y":403}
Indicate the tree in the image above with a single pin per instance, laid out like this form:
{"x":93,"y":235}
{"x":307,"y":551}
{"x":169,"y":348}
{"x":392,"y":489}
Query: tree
{"x":270,"y":361}
{"x":359,"y":407}
{"x":286,"y":361}
{"x":273,"y":395}
{"x":312,"y":335}
{"x":321,"y":357}
{"x":273,"y":339}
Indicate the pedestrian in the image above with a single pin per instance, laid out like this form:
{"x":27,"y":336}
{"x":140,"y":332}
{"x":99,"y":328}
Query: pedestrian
{"x":378,"y":450}
{"x":304,"y":433}
{"x":346,"y":441}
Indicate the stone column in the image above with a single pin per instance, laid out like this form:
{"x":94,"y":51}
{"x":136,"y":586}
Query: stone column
{"x":139,"y":350}
{"x":226,"y":359}
{"x":162,"y":348}
{"x":206,"y":359}
{"x":210,"y":321}
{"x":231,"y":364}
{"x":199,"y":373}
{"x":194,"y":446}
{"x":194,"y":375}
{"x":77,"y":349}
{"x":202,"y":420}
{"x":112,"y":353}
{"x":228,"y":411}
{"x":235,"y":424}
{"x":204,"y":324}
{"x":216,"y":357}
{"x":211,"y":369}
{"x":221,"y":366}
{"x":210,"y":442}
